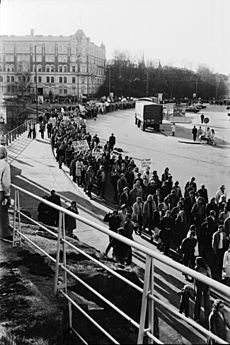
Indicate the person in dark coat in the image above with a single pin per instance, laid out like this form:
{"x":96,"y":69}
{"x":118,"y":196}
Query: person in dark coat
{"x":166,"y":226}
{"x":202,"y":290}
{"x":186,"y":293}
{"x":218,"y":323}
{"x":34,"y":131}
{"x":188,"y":204}
{"x":212,"y":206}
{"x":70,"y":222}
{"x":194,"y":133}
{"x":44,"y":212}
{"x":114,"y":221}
{"x":54,"y":214}
{"x":188,"y":245}
{"x":203,"y":193}
{"x":119,"y":248}
{"x":112,"y":142}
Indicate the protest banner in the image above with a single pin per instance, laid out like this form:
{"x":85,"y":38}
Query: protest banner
{"x":146,"y":162}
{"x":80,"y":145}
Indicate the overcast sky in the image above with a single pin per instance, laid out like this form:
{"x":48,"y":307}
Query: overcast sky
{"x":184,"y":33}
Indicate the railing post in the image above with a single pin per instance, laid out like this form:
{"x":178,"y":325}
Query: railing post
{"x":151,"y":302}
{"x":144,"y":303}
{"x":60,"y":243}
{"x":17,"y":238}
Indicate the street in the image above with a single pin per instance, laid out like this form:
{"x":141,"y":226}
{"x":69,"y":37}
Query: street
{"x":209,"y":164}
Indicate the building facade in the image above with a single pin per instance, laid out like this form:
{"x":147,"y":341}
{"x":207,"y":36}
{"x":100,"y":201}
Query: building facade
{"x":51,"y":65}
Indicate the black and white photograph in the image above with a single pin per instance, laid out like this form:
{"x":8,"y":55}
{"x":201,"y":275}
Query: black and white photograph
{"x":114,"y":172}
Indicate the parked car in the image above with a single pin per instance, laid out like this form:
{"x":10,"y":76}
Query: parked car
{"x":200,"y":106}
{"x":192,"y":109}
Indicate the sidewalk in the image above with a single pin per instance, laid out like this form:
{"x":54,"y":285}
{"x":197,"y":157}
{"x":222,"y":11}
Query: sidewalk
{"x":34,"y":168}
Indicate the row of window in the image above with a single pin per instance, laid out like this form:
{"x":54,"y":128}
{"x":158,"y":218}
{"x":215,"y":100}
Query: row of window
{"x":49,"y":79}
{"x":51,"y":68}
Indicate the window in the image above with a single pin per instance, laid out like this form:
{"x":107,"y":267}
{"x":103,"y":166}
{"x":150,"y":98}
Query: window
{"x":47,"y":68}
{"x":1,"y":78}
{"x":12,"y":78}
{"x":47,"y":79}
{"x":65,"y":91}
{"x":39,"y":79}
{"x":65,"y":79}
{"x":73,"y":69}
{"x":8,"y":79}
{"x":8,"y":69}
{"x":60,"y":68}
{"x":52,"y":69}
{"x":8,"y":88}
{"x":73,"y":80}
{"x":60,"y":79}
{"x":39,"y":68}
{"x":60,"y":90}
{"x":52,"y":79}
{"x":65,"y":69}
{"x":35,"y":79}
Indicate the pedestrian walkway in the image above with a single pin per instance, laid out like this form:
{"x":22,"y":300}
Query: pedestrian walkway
{"x":34,"y":168}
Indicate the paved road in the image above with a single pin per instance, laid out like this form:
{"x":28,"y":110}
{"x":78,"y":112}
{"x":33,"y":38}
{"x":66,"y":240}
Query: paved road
{"x":210,"y":165}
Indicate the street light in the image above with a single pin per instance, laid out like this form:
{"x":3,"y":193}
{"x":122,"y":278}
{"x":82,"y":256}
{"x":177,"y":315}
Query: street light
{"x":36,"y":81}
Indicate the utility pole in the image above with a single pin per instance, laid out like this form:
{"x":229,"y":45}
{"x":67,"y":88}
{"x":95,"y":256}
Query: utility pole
{"x":36,"y":80}
{"x":109,"y":80}
{"x":147,"y":82}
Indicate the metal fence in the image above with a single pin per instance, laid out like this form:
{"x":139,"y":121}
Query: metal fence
{"x":147,"y":292}
{"x":9,"y":137}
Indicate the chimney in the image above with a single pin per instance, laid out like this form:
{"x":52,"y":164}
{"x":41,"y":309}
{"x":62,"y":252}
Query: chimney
{"x":31,"y":32}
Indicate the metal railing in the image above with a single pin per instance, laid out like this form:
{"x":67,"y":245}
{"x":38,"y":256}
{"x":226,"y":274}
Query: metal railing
{"x":147,"y":292}
{"x":10,"y":136}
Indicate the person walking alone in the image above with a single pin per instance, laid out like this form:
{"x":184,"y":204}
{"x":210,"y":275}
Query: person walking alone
{"x":194,"y":133}
{"x":173,"y":128}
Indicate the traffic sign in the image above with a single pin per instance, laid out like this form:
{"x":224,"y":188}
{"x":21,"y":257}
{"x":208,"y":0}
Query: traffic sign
{"x":206,"y":120}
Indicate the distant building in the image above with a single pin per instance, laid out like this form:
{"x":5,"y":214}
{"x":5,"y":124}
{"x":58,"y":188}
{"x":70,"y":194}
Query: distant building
{"x":54,"y":65}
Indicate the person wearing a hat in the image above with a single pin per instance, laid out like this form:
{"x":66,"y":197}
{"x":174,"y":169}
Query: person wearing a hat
{"x":218,"y":323}
{"x":220,"y":192}
{"x":4,"y":194}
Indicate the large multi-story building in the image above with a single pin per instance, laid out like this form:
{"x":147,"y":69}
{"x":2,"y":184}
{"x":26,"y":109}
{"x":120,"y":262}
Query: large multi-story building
{"x":51,"y":65}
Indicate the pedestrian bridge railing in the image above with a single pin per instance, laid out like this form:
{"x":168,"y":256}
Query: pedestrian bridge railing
{"x":10,"y":136}
{"x":147,"y":292}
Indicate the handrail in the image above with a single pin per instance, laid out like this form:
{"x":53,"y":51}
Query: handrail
{"x":14,"y":133}
{"x":62,"y":241}
{"x":160,"y":257}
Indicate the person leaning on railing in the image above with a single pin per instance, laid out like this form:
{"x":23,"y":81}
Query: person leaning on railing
{"x":4,"y":194}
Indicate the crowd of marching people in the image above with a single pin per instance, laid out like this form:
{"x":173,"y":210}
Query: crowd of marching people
{"x":184,"y":219}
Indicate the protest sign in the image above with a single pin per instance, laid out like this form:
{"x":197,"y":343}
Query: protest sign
{"x":80,"y":145}
{"x":146,"y":162}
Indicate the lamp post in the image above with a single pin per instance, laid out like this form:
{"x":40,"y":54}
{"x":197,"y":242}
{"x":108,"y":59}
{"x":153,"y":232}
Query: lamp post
{"x":36,"y":80}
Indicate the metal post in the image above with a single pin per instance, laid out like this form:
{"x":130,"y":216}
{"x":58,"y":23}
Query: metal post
{"x":61,"y":236}
{"x":144,"y":302}
{"x":151,"y":302}
{"x":17,"y":238}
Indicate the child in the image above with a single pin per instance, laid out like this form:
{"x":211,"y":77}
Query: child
{"x":186,"y":292}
